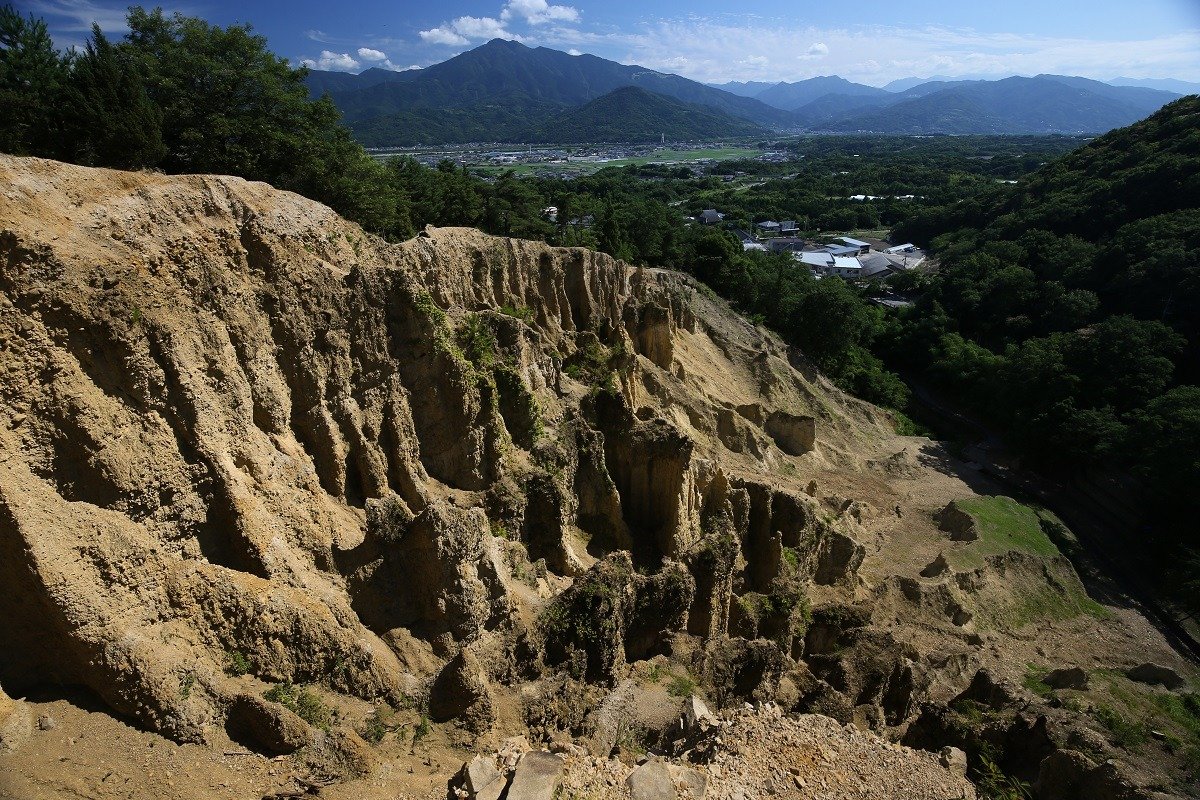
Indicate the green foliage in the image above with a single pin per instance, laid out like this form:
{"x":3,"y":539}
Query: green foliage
{"x":33,"y":81}
{"x":236,"y":663}
{"x":1123,"y":732}
{"x":477,"y":341}
{"x":185,"y":685}
{"x":523,"y":313}
{"x":992,"y":783}
{"x":302,"y":701}
{"x":681,"y":686}
{"x":377,"y":724}
{"x":424,"y":728}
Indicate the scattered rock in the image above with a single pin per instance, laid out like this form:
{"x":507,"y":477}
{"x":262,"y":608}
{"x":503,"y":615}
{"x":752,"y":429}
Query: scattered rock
{"x":46,"y":723}
{"x":537,"y":777}
{"x":1156,"y":674}
{"x":1066,"y":678}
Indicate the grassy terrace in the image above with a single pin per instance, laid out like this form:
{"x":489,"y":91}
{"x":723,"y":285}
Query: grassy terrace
{"x":1006,"y":526}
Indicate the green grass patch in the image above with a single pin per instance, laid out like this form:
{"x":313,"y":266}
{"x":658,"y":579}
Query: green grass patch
{"x":681,"y":686}
{"x":1005,"y":525}
{"x":1033,"y":680}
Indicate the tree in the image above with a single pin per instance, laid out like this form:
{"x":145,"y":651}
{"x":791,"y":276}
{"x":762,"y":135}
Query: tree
{"x":115,"y":122}
{"x":32,"y":80}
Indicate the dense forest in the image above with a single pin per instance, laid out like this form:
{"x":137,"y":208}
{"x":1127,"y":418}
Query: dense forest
{"x":1066,"y":310}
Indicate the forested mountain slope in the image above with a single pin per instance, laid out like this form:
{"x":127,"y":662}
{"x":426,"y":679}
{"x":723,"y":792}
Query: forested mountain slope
{"x":1069,"y":308}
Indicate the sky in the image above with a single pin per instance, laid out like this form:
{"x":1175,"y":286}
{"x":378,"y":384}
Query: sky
{"x":868,"y":41}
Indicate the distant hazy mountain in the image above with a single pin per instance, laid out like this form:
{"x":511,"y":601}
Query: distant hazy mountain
{"x":904,"y":84}
{"x":632,"y":114}
{"x":790,"y":96}
{"x":1165,"y":84}
{"x":497,"y":90}
{"x":743,"y":88}
{"x":505,"y":91}
{"x":320,"y":81}
{"x":1043,"y":104}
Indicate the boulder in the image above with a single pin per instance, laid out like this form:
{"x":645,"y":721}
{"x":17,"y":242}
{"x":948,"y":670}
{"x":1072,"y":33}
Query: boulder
{"x":651,"y":781}
{"x":1156,"y":674}
{"x":939,"y":566}
{"x":461,"y":692}
{"x":954,"y":760}
{"x":16,"y":722}
{"x":690,"y":784}
{"x":480,"y":779}
{"x":1066,"y":678}
{"x":795,"y":435}
{"x":268,"y":726}
{"x":956,"y":522}
{"x":537,"y":777}
{"x":696,"y":714}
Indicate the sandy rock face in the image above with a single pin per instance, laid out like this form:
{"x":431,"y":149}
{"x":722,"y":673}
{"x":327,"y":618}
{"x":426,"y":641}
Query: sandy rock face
{"x":235,"y":426}
{"x":16,"y":722}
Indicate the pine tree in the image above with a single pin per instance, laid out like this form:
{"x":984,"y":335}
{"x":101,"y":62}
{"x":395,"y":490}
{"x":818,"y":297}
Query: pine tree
{"x":32,"y":79}
{"x":117,"y":124}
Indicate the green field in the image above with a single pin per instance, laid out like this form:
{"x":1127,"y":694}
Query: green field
{"x":658,"y":156}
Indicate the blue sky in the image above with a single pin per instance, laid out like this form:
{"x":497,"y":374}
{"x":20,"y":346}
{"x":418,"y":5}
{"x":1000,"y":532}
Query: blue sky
{"x":868,"y":41}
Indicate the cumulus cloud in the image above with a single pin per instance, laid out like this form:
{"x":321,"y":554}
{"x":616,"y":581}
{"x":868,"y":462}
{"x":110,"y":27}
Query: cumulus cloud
{"x":719,"y":49}
{"x":574,"y":51}
{"x":462,"y":30}
{"x":538,"y":12}
{"x":367,"y":54}
{"x":443,"y":34}
{"x":332,"y":62}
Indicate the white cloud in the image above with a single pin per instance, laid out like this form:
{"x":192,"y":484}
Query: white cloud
{"x":462,"y":30}
{"x":717,"y":50}
{"x":331,"y":61}
{"x":443,"y":34}
{"x":367,"y":54}
{"x":538,"y":12}
{"x":574,"y":51}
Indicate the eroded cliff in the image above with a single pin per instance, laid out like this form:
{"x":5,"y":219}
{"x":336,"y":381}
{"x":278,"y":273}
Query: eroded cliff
{"x":245,"y":445}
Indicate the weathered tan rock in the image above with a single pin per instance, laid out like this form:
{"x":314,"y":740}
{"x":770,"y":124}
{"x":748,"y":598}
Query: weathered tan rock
{"x":651,"y":781}
{"x":461,"y":692}
{"x":958,"y":523}
{"x":1156,"y":674}
{"x":16,"y":722}
{"x":269,"y":726}
{"x":537,"y":777}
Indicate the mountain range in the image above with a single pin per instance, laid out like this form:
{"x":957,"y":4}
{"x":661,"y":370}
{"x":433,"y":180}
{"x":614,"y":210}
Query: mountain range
{"x":504,"y":91}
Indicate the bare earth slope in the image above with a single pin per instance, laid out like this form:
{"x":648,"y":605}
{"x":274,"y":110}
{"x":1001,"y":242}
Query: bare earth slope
{"x":507,"y":488}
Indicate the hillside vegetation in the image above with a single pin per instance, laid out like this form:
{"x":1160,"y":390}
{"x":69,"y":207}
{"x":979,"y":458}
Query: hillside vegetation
{"x":1068,"y":311}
